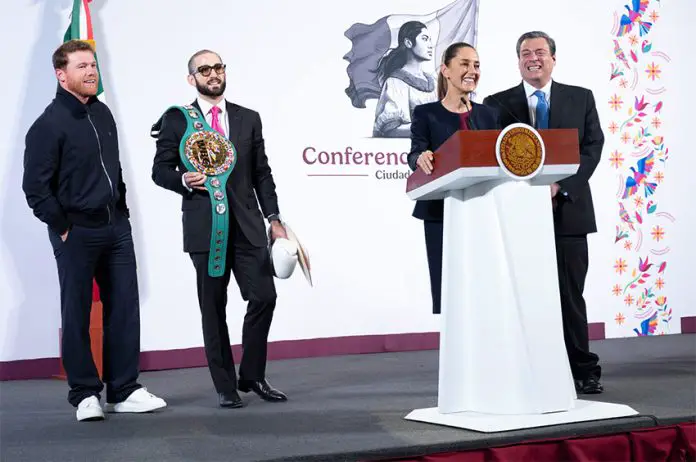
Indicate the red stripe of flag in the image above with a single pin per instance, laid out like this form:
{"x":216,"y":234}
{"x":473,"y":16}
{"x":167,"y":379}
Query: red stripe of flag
{"x":88,"y":14}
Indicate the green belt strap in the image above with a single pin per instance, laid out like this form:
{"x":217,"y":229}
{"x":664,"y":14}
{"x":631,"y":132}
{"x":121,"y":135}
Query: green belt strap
{"x":204,"y":150}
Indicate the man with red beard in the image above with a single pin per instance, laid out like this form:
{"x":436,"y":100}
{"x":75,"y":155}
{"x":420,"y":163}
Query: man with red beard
{"x":222,"y":175}
{"x":74,"y":184}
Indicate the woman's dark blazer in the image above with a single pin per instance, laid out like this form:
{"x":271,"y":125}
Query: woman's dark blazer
{"x":432,"y":125}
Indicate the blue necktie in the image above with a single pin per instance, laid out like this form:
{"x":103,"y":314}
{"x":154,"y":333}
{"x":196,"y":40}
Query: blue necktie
{"x":542,"y":110}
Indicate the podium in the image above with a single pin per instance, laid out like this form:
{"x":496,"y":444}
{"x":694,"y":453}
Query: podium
{"x":503,"y":363}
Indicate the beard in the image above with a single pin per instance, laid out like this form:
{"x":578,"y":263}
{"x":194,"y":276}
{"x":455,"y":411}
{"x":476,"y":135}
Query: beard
{"x":207,"y":91}
{"x":78,"y":87}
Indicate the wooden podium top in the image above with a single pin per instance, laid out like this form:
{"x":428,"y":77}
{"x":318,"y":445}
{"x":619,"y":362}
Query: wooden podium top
{"x":475,"y":149}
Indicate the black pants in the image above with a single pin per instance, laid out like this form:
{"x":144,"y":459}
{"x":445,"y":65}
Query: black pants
{"x":252,"y":270}
{"x":105,"y":253}
{"x":572,"y":258}
{"x":433,"y":248}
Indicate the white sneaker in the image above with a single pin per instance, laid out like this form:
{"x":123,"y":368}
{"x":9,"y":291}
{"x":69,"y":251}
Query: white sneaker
{"x":138,"y":401}
{"x":89,"y":409}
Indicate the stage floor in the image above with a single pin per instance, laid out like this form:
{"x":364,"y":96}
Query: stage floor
{"x":340,"y":408}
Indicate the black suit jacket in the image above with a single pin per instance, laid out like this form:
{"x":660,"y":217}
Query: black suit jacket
{"x":250,"y":179}
{"x":571,"y":107}
{"x":432,"y":125}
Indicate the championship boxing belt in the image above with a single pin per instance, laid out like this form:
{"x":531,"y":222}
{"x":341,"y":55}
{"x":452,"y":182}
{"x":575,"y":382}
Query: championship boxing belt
{"x":206,"y":151}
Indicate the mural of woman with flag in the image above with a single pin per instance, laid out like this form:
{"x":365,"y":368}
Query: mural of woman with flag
{"x":405,"y":84}
{"x":395,"y":59}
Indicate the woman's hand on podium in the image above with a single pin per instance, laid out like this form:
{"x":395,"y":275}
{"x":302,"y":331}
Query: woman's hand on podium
{"x":425,"y":162}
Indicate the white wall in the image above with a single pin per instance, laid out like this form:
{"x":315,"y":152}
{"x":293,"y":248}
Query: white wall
{"x":289,"y":67}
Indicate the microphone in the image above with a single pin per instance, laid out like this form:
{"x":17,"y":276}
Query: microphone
{"x":470,"y":108}
{"x":466,"y":103}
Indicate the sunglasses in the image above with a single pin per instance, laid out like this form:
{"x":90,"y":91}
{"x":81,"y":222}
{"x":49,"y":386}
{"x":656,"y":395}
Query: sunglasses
{"x":206,"y":70}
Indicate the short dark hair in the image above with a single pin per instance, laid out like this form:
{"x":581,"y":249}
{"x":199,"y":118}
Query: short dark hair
{"x":192,"y":69}
{"x":60,"y":56}
{"x":537,"y":34}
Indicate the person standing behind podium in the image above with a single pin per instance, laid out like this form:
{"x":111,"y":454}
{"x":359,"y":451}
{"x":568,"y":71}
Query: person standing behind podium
{"x":544,"y":103}
{"x":432,"y":124}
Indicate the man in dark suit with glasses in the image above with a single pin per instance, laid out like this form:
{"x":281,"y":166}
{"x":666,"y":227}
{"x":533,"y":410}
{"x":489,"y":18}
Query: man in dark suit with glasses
{"x":249,"y":184}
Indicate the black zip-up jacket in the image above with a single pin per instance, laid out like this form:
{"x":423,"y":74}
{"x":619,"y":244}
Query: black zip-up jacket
{"x":72,"y":172}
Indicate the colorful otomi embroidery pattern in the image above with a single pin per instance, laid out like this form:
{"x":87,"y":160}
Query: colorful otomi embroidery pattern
{"x":639,"y":155}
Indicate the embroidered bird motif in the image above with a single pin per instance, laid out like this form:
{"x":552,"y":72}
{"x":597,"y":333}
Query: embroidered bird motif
{"x":620,"y":234}
{"x":648,"y":326}
{"x":651,"y":207}
{"x":640,"y":177}
{"x":635,"y":18}
{"x":625,"y":217}
{"x":620,"y":55}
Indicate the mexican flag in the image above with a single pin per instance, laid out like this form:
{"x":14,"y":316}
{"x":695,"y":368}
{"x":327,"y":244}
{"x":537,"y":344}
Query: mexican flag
{"x":80,"y":28}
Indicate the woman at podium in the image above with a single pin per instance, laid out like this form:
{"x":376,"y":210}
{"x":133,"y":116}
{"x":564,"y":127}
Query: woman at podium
{"x":432,"y":124}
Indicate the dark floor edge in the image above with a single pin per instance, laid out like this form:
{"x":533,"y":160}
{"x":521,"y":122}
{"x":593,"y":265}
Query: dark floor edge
{"x":44,"y":368}
{"x":556,"y":432}
{"x":596,"y":331}
{"x":688,"y":325}
{"x":676,"y":420}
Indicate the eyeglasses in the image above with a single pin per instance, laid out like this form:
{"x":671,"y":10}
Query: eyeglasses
{"x":205,"y":70}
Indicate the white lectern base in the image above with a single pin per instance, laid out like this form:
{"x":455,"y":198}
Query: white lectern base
{"x":487,"y":423}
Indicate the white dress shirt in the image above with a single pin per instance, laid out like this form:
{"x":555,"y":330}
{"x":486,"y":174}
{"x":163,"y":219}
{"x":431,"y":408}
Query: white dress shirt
{"x":532,"y":99}
{"x":222,"y":115}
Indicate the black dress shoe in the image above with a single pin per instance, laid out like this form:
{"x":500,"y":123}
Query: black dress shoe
{"x":591,"y":386}
{"x":231,"y":400}
{"x":263,"y":389}
{"x":578,"y":385}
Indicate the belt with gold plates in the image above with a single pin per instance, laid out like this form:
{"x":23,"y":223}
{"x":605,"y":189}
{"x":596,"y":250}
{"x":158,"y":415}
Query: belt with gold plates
{"x":206,"y":151}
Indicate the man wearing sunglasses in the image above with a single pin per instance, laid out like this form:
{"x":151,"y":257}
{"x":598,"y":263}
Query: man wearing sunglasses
{"x":249,"y":184}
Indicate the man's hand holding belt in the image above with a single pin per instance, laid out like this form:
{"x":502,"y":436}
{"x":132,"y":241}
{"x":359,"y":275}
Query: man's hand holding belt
{"x":194,"y":180}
